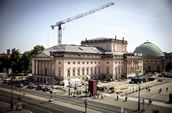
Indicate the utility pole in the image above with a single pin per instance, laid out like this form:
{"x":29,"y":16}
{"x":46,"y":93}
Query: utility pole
{"x":69,"y":85}
{"x":137,"y":74}
{"x":139,"y":97}
{"x":86,"y":98}
{"x":11,"y":102}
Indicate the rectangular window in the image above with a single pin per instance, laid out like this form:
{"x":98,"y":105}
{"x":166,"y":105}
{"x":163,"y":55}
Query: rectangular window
{"x":59,"y":74}
{"x":99,"y":69}
{"x":107,"y":70}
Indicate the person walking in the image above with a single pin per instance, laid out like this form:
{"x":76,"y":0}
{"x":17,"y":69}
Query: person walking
{"x":150,"y":101}
{"x":117,"y":97}
{"x":167,"y":89}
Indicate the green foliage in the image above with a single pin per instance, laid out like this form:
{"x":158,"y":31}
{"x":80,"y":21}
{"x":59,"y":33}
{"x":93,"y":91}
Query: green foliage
{"x":37,"y":49}
{"x":169,"y":66}
{"x":20,"y":63}
{"x":15,"y":61}
{"x":26,"y":61}
{"x":4,"y":62}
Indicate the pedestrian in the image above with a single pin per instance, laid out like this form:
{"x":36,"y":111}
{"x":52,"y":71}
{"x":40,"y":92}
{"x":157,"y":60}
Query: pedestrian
{"x":150,"y":101}
{"x":117,"y":97}
{"x":102,"y":96}
{"x":167,"y":89}
{"x":126,"y":98}
{"x":160,"y":90}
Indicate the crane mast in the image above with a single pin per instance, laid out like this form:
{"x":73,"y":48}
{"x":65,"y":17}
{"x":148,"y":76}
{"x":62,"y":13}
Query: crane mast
{"x":59,"y":24}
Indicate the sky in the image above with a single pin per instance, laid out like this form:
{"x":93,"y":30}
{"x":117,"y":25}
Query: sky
{"x":26,"y":23}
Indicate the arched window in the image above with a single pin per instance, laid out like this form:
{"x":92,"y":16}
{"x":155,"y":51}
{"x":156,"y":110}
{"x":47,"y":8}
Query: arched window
{"x":73,"y":71}
{"x":78,"y":71}
{"x":83,"y":71}
{"x":95,"y":70}
{"x":87,"y":70}
{"x":91,"y":70}
{"x":68,"y":72}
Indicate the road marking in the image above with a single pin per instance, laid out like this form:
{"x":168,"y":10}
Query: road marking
{"x":55,"y":102}
{"x":40,"y":108}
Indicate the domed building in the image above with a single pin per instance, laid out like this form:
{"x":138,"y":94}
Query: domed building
{"x":153,"y":57}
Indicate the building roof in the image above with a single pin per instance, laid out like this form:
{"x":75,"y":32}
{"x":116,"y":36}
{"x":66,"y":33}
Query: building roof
{"x":103,"y":39}
{"x":148,"y":48}
{"x":70,"y":49}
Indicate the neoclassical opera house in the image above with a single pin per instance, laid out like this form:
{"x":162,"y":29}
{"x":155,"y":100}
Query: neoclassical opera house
{"x":100,"y":58}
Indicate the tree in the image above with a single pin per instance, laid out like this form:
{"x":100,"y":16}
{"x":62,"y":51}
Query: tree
{"x":4,"y":62}
{"x":15,"y":62}
{"x":37,"y":49}
{"x":169,"y":66}
{"x":26,"y":61}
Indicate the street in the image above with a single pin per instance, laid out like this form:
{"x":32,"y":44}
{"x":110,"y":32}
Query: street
{"x":38,"y":106}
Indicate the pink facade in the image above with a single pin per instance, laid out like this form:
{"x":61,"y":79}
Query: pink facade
{"x":94,"y":59}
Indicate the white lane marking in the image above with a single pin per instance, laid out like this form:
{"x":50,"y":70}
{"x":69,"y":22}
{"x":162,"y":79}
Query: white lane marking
{"x":31,"y":105}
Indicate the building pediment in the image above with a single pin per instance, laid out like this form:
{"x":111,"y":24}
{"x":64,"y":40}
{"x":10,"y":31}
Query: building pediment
{"x":42,"y":55}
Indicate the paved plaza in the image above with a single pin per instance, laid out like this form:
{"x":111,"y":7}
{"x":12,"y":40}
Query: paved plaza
{"x":159,"y":100}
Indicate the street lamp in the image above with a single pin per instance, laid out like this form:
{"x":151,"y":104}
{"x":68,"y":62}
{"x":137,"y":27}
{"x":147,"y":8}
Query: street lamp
{"x":19,"y":98}
{"x":69,"y":85}
{"x":51,"y":91}
{"x":86,"y":103}
{"x":139,"y":96}
{"x":11,"y":102}
{"x":137,"y":74}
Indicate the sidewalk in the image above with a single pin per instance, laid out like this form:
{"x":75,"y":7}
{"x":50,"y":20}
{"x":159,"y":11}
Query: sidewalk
{"x":132,"y":104}
{"x":5,"y":108}
{"x":146,"y":101}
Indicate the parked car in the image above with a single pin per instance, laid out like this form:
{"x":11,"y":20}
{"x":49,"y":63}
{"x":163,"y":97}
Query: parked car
{"x":20,"y":85}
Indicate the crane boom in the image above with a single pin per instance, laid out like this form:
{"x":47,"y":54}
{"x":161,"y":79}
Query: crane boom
{"x":58,"y":24}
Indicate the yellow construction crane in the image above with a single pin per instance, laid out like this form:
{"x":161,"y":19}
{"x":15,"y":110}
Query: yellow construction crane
{"x":59,"y":24}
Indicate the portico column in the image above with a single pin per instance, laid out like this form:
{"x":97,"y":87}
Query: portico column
{"x":33,"y":67}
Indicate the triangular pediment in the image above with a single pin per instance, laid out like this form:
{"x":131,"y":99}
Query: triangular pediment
{"x":41,"y":55}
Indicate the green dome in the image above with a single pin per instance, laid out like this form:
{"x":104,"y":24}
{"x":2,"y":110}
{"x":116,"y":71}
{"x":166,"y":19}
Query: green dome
{"x":149,"y":48}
